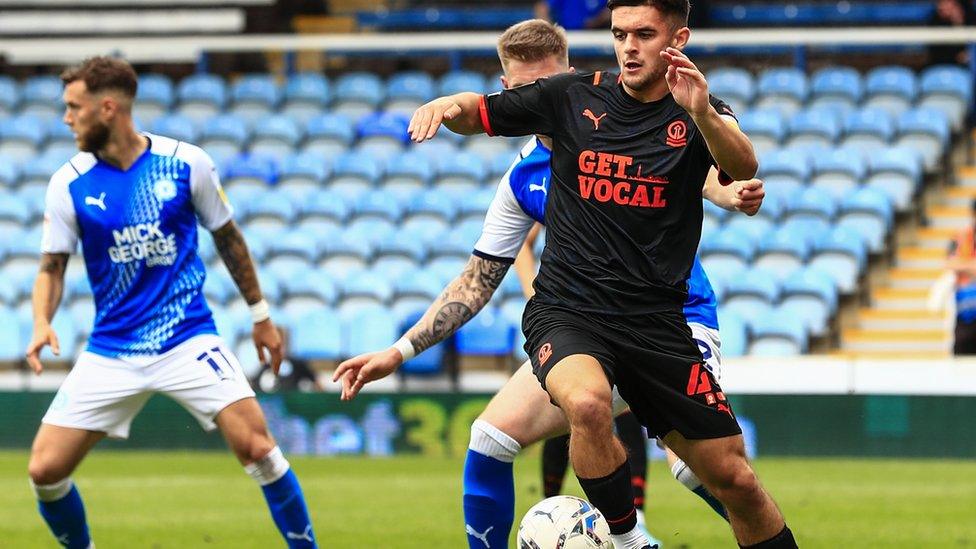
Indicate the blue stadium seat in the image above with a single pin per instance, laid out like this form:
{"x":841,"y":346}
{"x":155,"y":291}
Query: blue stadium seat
{"x":766,"y":128}
{"x":154,"y":97}
{"x":295,"y":243}
{"x":892,"y":88}
{"x":812,"y":204}
{"x":328,"y":135}
{"x":178,"y":127}
{"x":402,"y":245}
{"x":475,"y":205}
{"x":431,"y":362}
{"x":383,"y":134}
{"x":58,"y":133}
{"x":254,"y":96}
{"x":947,"y":88}
{"x":358,"y":94}
{"x":41,"y":96}
{"x":432,"y":203}
{"x":748,"y":227}
{"x":460,"y":170}
{"x":250,"y":168}
{"x":344,"y":254}
{"x":224,"y":135}
{"x":461,"y":81}
{"x":773,"y":208}
{"x":276,"y":136}
{"x":751,"y":293}
{"x":784,"y":171}
{"x":446,"y":268}
{"x":376,"y":203}
{"x":367,"y":329}
{"x":868,"y":129}
{"x":499,"y":165}
{"x":82,"y":313}
{"x":304,"y":170}
{"x":781,"y":254}
{"x":488,"y":333}
{"x":306,"y":94}
{"x":735,"y":86}
{"x":363,"y":288}
{"x":868,"y":212}
{"x":455,"y":244}
{"x":317,"y":335}
{"x":778,"y":333}
{"x":439,"y":147}
{"x":371,"y":230}
{"x":315,"y":285}
{"x":418,"y":283}
{"x":9,"y":172}
{"x":814,"y":127}
{"x":838,"y":172}
{"x":896,"y":171}
{"x":21,"y":137}
{"x":201,"y":96}
{"x":218,"y":289}
{"x":836,"y":86}
{"x":726,"y":251}
{"x":735,"y":333}
{"x":843,"y":254}
{"x":927,"y":131}
{"x":782,"y":89}
{"x":405,"y":91}
{"x":407,"y":173}
{"x":812,"y":296}
{"x":9,"y":95}
{"x":14,"y":214}
{"x":354,"y":173}
{"x":487,"y":147}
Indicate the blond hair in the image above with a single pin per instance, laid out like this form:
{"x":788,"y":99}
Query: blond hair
{"x":533,"y":40}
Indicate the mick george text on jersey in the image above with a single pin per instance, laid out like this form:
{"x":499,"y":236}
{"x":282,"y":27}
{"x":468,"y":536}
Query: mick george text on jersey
{"x":143,"y":241}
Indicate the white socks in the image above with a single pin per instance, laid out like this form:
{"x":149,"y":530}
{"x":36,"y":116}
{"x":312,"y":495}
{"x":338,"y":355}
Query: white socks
{"x":52,"y":492}
{"x":488,"y":440}
{"x":635,"y":539}
{"x":268,"y":469}
{"x":685,"y":475}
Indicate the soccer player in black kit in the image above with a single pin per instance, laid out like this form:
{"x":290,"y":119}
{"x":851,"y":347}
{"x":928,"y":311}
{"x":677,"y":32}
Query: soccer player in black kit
{"x":630,"y":155}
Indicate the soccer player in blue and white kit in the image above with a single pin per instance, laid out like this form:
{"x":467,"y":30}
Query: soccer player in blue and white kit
{"x":521,"y":412}
{"x":133,"y":200}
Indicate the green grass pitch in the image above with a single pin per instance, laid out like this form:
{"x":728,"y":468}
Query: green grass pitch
{"x":188,"y":500}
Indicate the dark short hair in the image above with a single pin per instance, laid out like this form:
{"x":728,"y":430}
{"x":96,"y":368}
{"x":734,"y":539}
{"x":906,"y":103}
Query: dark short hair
{"x":104,"y":73}
{"x":678,"y":9}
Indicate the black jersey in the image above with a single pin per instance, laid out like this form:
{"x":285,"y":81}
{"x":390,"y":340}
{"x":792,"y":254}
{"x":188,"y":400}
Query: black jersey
{"x":624,"y":212}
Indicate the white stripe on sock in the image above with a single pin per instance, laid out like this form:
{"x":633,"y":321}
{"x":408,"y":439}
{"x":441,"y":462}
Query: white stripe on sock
{"x":52,"y":492}
{"x":488,"y":440}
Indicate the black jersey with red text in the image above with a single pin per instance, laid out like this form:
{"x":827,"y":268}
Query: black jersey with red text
{"x":624,"y":212}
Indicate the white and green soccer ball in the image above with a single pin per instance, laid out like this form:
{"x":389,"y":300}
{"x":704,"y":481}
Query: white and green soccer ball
{"x":564,"y":522}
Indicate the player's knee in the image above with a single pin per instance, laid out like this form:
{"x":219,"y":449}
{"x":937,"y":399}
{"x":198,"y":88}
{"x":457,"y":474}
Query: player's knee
{"x":737,"y":481}
{"x":588,"y":410}
{"x":43,"y":472}
{"x":257,"y":446}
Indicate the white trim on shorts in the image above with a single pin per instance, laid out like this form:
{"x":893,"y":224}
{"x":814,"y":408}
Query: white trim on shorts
{"x":105,"y":394}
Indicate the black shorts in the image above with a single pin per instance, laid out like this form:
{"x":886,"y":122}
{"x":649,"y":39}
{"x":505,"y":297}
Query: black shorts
{"x":651,"y":358}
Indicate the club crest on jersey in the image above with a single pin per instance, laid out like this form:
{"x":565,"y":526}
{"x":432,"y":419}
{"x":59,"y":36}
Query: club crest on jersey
{"x":164,"y":189}
{"x":677,"y":134}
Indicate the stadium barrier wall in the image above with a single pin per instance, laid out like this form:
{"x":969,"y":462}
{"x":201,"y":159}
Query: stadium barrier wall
{"x":437,"y":424}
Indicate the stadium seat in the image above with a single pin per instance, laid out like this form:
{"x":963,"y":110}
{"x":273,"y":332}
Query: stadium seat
{"x":812,"y":204}
{"x":735,"y":86}
{"x":201,"y":96}
{"x":461,"y":81}
{"x":843,"y":255}
{"x":726,"y":251}
{"x":302,"y":175}
{"x":367,"y":329}
{"x":868,"y":212}
{"x":446,"y":268}
{"x":9,"y":95}
{"x":306,"y":94}
{"x":735,"y":333}
{"x":434,"y":361}
{"x":754,"y":290}
{"x":275,"y":136}
{"x":358,"y":94}
{"x":837,"y":172}
{"x":225,"y":135}
{"x":314,"y":284}
{"x":154,"y":97}
{"x":371,"y":230}
{"x":778,"y":333}
{"x":9,"y":173}
{"x":254,"y":96}
{"x":82,"y":312}
{"x":475,"y":205}
{"x":328,"y":135}
{"x":811,"y":295}
{"x":433,"y":204}
{"x":176,"y":126}
{"x":461,"y":170}
{"x":782,"y":89}
{"x":407,"y":173}
{"x":285,"y":266}
{"x":949,"y":89}
{"x":354,"y":173}
{"x":41,"y":96}
{"x":892,"y":88}
{"x":814,"y":127}
{"x":375,"y":203}
{"x":499,"y":165}
{"x":867,"y":130}
{"x":488,"y":333}
{"x":836,"y":87}
{"x":250,"y":169}
{"x":344,"y":255}
{"x":402,"y":245}
{"x":218,"y":289}
{"x":781,"y":254}
{"x":766,"y":128}
{"x":784,"y":171}
{"x":21,"y":137}
{"x":927,"y":131}
{"x":317,"y":335}
{"x":428,"y":235}
{"x":405,"y":91}
{"x":897,"y":172}
{"x":750,"y":228}
{"x":363,"y":288}
{"x":384,"y":133}
{"x":295,"y":243}
{"x":487,"y":147}
{"x":773,"y":207}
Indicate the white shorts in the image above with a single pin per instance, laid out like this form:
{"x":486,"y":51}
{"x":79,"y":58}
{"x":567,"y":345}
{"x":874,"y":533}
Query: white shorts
{"x":105,"y":394}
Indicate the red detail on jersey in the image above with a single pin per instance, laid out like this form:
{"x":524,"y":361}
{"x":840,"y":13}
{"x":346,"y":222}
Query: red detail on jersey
{"x":587,"y":113}
{"x":724,"y":179}
{"x":596,"y":78}
{"x":724,"y":408}
{"x":720,"y":395}
{"x":625,"y":190}
{"x":544,"y":353}
{"x":709,"y":399}
{"x":677,"y":134}
{"x":483,"y":111}
{"x":698,"y":381}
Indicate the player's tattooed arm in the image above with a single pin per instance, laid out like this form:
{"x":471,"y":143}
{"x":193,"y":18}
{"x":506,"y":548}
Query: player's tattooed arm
{"x":233,"y":251}
{"x":461,"y":300}
{"x":48,"y":286}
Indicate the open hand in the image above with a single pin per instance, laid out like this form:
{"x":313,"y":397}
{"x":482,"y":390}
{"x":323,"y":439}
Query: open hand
{"x":360,"y":370}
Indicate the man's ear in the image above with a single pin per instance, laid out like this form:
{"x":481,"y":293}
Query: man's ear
{"x":572,"y":70}
{"x":680,"y":38}
{"x":504,"y":82}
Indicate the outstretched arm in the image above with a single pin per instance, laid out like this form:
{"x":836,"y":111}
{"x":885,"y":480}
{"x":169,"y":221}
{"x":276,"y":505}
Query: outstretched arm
{"x":458,"y":303}
{"x":459,"y":112}
{"x":45,"y":299}
{"x":233,"y":251}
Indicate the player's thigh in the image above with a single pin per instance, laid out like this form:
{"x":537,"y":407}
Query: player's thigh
{"x":523,"y":411}
{"x":579,"y":385}
{"x":57,"y":451}
{"x":717,"y":461}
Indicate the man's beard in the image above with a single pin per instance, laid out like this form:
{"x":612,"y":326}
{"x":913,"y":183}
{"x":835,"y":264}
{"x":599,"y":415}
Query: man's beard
{"x":643,"y":82}
{"x":95,"y":139}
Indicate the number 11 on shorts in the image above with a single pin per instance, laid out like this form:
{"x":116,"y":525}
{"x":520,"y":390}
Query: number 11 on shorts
{"x":210,"y":358}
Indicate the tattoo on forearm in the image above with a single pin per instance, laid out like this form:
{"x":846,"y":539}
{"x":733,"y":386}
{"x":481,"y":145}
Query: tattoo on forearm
{"x":460,"y":301}
{"x":233,"y":251}
{"x":54,"y":263}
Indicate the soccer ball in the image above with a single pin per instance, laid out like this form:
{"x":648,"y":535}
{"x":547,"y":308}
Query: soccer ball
{"x":564,"y":522}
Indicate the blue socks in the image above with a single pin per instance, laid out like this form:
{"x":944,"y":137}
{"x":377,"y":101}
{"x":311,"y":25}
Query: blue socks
{"x":285,"y":499}
{"x":62,"y":509}
{"x":489,"y":487}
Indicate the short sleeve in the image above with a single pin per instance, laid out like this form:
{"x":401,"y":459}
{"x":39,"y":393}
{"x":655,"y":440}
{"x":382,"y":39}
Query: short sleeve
{"x":528,"y":109}
{"x":722,"y":108}
{"x":506,"y":225}
{"x":209,"y":200}
{"x":60,"y":232}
